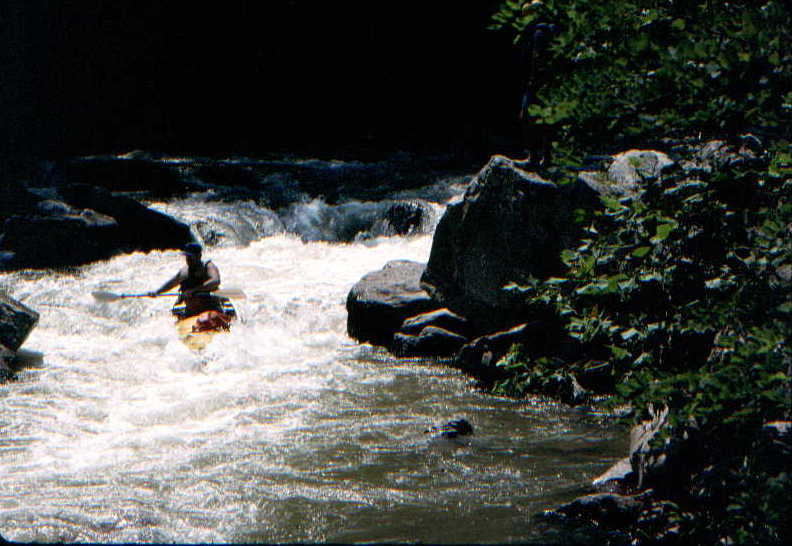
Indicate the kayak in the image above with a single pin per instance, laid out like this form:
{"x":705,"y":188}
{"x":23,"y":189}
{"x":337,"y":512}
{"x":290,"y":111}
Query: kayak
{"x":197,"y":331}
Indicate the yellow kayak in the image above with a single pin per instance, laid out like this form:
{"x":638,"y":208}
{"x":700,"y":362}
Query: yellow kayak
{"x":197,"y":331}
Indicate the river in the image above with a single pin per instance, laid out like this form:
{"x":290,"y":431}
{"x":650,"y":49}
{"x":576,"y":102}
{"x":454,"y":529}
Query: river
{"x":282,"y":430}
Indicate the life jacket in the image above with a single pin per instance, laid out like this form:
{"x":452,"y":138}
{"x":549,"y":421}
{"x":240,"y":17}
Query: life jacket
{"x":195,"y":277}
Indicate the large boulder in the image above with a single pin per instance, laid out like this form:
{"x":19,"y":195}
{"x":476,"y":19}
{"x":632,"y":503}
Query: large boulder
{"x":59,"y":236}
{"x":139,"y":227}
{"x":89,"y":224}
{"x":381,"y":301}
{"x":16,"y":322}
{"x":511,"y":225}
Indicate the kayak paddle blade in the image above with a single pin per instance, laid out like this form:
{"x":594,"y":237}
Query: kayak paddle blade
{"x":105,"y":296}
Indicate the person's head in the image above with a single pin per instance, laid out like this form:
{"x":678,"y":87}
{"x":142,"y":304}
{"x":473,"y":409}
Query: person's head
{"x":192,"y":253}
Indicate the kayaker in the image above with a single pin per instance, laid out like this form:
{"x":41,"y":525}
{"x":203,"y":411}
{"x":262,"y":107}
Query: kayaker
{"x":196,"y":281}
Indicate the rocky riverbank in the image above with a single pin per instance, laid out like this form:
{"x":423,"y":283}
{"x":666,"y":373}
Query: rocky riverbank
{"x":472,"y":306}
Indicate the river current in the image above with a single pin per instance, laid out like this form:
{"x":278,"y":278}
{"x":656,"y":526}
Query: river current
{"x":282,"y":430}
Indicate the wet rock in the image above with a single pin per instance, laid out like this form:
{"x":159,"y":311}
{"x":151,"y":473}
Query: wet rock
{"x":453,"y":434}
{"x":565,"y":388}
{"x":129,"y":173}
{"x":139,"y":227}
{"x":608,"y":510}
{"x":510,"y":225}
{"x":452,"y":429}
{"x":226,"y":174}
{"x":6,"y":356}
{"x":441,"y":318}
{"x":431,"y":341}
{"x":380,"y":302}
{"x":479,"y":357}
{"x":405,"y":217}
{"x":66,"y":237}
{"x":16,"y":322}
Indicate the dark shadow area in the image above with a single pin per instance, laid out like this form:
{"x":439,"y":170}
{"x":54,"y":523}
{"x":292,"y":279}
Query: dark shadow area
{"x":253,"y":77}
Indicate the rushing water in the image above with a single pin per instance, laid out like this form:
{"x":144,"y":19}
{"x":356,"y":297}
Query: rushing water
{"x":283,"y":430}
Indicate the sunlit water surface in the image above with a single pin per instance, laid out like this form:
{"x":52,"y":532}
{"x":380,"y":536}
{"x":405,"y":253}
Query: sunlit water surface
{"x":283,"y":430}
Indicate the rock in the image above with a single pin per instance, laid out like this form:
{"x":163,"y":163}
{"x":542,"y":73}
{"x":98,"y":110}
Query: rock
{"x":631,"y":167}
{"x":131,"y":172}
{"x":86,"y":224}
{"x":16,"y":322}
{"x":57,"y":241}
{"x":608,"y":510}
{"x":381,"y":301}
{"x":716,"y":155}
{"x":405,"y":217}
{"x":6,"y":356}
{"x":510,"y":225}
{"x":228,"y":174}
{"x":617,"y":478}
{"x":452,"y":429}
{"x":454,"y":434}
{"x":432,"y":341}
{"x":479,"y":357}
{"x":598,"y":378}
{"x":139,"y":227}
{"x":565,"y":388}
{"x":441,"y":318}
{"x":626,"y":171}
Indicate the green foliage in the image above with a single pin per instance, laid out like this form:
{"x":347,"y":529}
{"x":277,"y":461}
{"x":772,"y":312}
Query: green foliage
{"x":683,"y":291}
{"x":633,"y":68}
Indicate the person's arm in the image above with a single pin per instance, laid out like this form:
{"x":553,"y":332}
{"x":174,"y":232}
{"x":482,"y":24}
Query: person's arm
{"x":211,"y":283}
{"x":170,"y":283}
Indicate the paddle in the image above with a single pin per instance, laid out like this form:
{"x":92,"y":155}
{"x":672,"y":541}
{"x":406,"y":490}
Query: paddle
{"x":231,"y":293}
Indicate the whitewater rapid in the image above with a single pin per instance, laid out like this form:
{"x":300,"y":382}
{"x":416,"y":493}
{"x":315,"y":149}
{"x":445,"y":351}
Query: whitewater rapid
{"x":282,"y":430}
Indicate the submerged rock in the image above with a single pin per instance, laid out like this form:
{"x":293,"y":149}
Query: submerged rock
{"x":455,"y":434}
{"x":381,"y":301}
